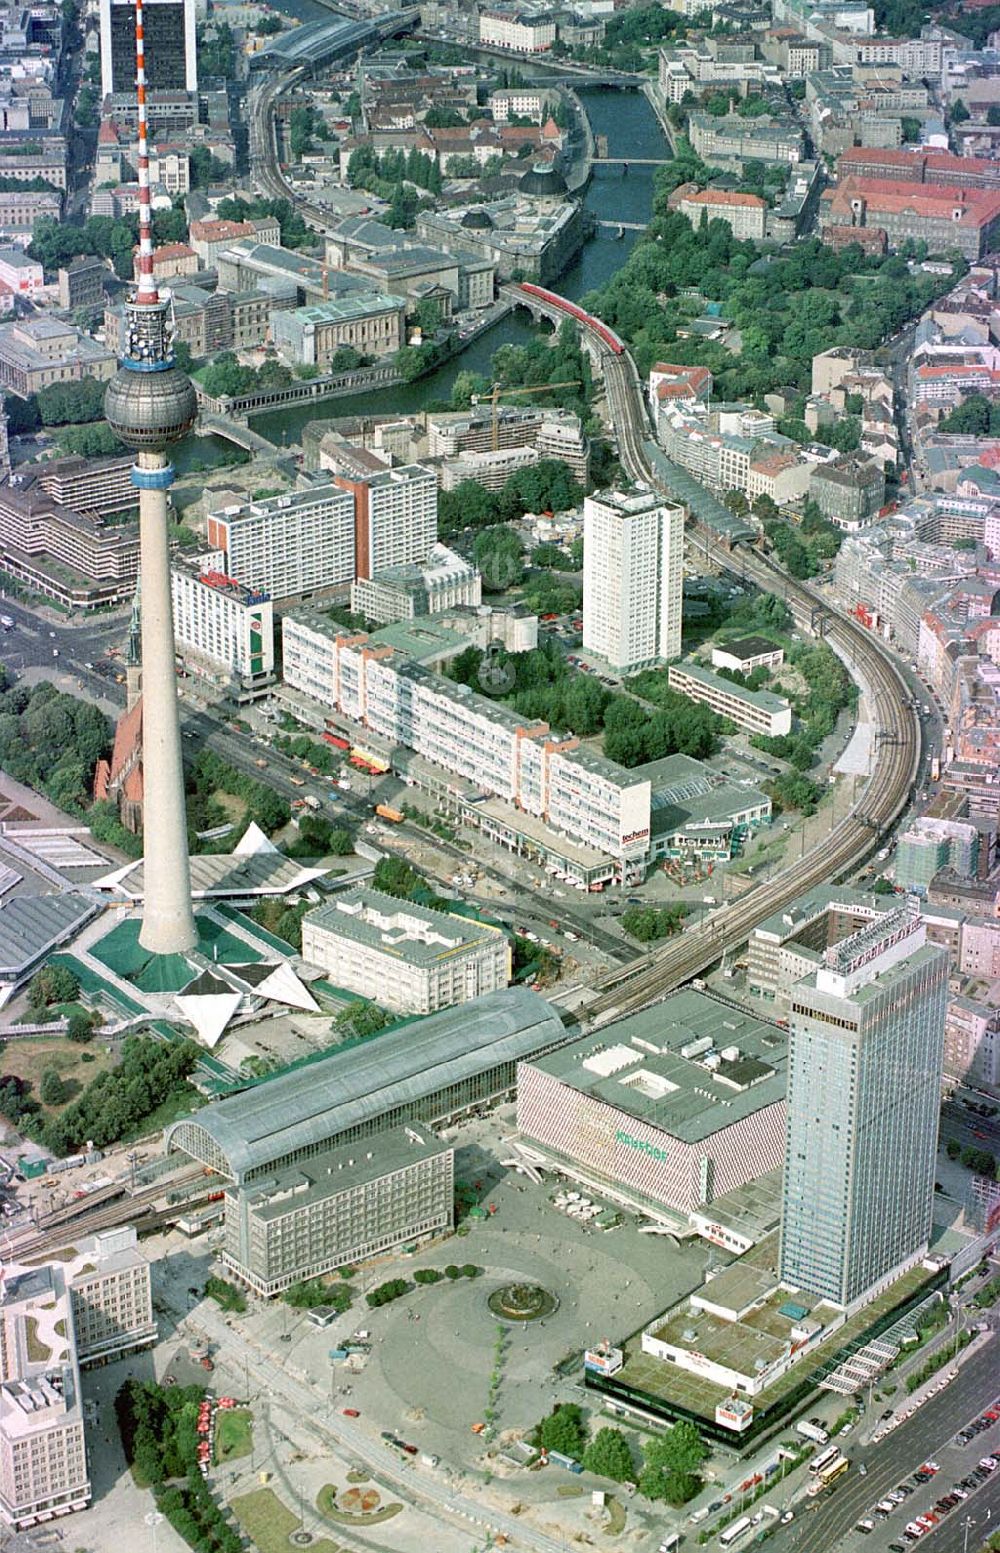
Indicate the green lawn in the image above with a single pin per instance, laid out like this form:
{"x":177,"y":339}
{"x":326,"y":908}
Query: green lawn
{"x":233,"y":1434}
{"x":269,"y":1524}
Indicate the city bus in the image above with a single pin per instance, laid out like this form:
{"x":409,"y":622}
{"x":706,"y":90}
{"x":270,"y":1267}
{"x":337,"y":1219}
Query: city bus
{"x":735,"y":1531}
{"x":829,"y":1475}
{"x":824,"y":1459}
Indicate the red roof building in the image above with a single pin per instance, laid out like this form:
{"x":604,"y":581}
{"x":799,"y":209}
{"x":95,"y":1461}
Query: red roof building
{"x":119,"y":781}
{"x":942,"y":215}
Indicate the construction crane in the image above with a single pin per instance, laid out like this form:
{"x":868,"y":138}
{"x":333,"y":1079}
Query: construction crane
{"x":496,"y":389}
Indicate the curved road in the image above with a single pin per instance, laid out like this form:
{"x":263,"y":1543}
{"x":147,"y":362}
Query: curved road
{"x":897,"y":753}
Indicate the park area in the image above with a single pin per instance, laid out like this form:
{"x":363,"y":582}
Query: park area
{"x":270,"y":1525}
{"x":31,"y":1058}
{"x":233,"y":1434}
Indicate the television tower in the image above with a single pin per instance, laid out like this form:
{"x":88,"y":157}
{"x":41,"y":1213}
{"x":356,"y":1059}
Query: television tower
{"x":150,"y":403}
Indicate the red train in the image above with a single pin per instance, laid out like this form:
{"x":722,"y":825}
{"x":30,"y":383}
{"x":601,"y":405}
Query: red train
{"x":609,"y":337}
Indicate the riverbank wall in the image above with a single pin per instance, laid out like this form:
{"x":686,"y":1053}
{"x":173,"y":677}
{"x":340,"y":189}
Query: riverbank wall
{"x":654,"y":96}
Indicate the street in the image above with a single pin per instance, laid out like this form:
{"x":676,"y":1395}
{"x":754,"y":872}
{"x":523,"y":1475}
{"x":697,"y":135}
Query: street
{"x":820,"y":1527}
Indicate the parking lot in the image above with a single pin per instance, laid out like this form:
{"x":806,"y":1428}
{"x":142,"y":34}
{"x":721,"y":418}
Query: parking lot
{"x":942,"y":1491}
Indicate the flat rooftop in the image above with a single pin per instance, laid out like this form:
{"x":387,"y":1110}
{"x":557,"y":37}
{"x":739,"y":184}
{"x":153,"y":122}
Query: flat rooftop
{"x":744,"y":647}
{"x":806,"y":908}
{"x":667,"y":1384}
{"x":764,"y":699}
{"x":358,"y":304}
{"x":735,"y":1065}
{"x":340,"y":1169}
{"x":398,"y":928}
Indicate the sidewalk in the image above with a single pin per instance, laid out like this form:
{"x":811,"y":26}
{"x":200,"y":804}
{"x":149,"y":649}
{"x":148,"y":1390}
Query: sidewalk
{"x":910,"y":1402}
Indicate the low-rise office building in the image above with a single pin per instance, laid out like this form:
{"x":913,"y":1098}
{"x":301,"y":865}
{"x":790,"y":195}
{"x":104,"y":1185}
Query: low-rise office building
{"x":759,"y":711}
{"x":81,"y":283}
{"x":20,"y":209}
{"x":37,"y":352}
{"x":339,"y":1207}
{"x":849,"y":491}
{"x":523,"y":32}
{"x":101,"y":485}
{"x":744,"y":654}
{"x":744,"y":214}
{"x":401,"y":955}
{"x":928,"y":845}
{"x":972,"y":1042}
{"x":695,"y":812}
{"x":736,"y":139}
{"x":77,"y":558}
{"x":19,"y":274}
{"x":790,"y":945}
{"x":445,"y":581}
{"x":945,"y":217}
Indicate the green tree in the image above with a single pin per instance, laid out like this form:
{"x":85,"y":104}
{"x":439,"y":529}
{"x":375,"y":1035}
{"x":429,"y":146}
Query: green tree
{"x":361,"y":1019}
{"x":53,"y":1089}
{"x":300,"y":130}
{"x":953,"y":1148}
{"x":80,"y":1029}
{"x":394,"y":876}
{"x":310,"y":1293}
{"x":671,"y":1465}
{"x":563,"y":1430}
{"x":608,"y":1456}
{"x":497,"y":553}
{"x":980,"y":1161}
{"x":52,"y":984}
{"x":651,"y":923}
{"x":467,"y":387}
{"x":94,"y":441}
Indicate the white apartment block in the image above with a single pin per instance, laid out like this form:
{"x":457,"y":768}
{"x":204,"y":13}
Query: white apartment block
{"x":519,"y":31}
{"x":404,"y":956}
{"x":222,"y":627}
{"x":756,"y":710}
{"x":43,"y":1459}
{"x":590,"y":800}
{"x":519,"y":102}
{"x":633,"y":574}
{"x":395,"y":517}
{"x":112,"y":1297}
{"x":288,"y":546}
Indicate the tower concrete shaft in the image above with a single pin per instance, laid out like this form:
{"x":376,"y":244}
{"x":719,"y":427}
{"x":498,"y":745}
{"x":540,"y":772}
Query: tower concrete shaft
{"x":150,"y":404}
{"x":167,"y":919}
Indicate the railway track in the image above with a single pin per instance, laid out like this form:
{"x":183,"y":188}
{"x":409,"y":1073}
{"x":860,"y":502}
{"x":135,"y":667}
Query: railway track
{"x":87,"y":1216}
{"x":886,"y":792}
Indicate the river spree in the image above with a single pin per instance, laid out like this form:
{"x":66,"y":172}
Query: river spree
{"x":632,"y":129}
